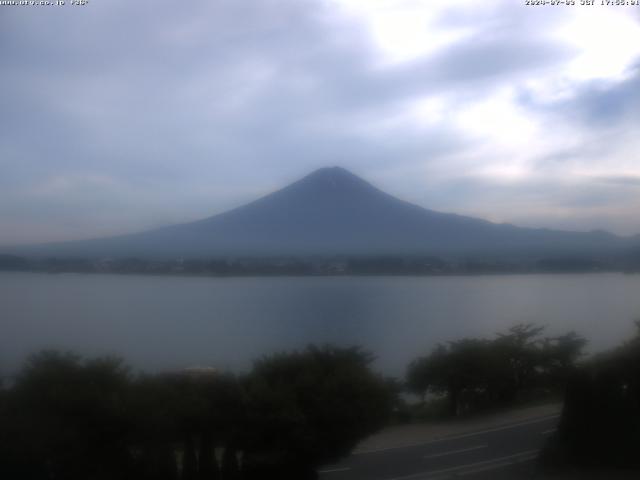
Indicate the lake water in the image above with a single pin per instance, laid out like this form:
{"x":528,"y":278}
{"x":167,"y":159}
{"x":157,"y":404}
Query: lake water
{"x":168,"y":322}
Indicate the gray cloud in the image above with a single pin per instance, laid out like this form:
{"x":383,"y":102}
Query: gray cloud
{"x":622,"y":180}
{"x":596,"y":104}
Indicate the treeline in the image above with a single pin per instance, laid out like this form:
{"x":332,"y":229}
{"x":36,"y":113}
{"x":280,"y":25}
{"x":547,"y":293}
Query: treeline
{"x":65,"y":417}
{"x":68,"y":418}
{"x":342,"y":265}
{"x":599,"y":426}
{"x":520,"y":365}
{"x":600,"y":423}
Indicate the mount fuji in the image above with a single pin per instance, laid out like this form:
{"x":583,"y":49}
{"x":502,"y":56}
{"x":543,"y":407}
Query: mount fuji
{"x":334,"y":212}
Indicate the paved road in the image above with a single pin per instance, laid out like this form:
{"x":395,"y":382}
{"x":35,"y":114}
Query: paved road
{"x":505,"y":452}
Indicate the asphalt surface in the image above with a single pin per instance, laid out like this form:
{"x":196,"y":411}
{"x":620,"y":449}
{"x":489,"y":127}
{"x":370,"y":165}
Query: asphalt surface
{"x":503,"y":452}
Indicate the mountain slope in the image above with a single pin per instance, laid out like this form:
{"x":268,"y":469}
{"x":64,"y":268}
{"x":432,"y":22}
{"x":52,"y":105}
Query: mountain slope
{"x":331,"y":211}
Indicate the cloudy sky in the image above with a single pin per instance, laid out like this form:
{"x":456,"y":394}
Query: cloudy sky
{"x":119,"y":116}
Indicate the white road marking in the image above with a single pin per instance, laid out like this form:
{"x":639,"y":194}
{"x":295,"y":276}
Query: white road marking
{"x":334,"y":470}
{"x":522,"y":457}
{"x":464,"y":435}
{"x":453,"y":452}
{"x":470,"y":468}
{"x":547,"y":432}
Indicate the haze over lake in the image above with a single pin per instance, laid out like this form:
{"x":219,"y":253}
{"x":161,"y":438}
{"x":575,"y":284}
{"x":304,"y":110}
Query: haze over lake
{"x":169,"y":322}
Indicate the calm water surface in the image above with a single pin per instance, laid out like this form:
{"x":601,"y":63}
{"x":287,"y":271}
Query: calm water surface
{"x":171,"y":322}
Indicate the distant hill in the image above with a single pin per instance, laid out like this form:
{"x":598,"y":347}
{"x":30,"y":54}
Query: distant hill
{"x":334,"y":212}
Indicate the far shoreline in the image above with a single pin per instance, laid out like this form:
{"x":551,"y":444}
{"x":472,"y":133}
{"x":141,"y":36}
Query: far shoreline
{"x":324,"y":275}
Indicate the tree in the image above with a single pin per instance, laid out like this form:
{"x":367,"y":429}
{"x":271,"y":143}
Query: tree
{"x":600,"y":422}
{"x":520,"y":348}
{"x":424,"y":374}
{"x":462,"y":370}
{"x":473,"y":372}
{"x":70,"y":418}
{"x":67,"y":418}
{"x":308,"y":408}
{"x":188,"y":416}
{"x":560,"y":356}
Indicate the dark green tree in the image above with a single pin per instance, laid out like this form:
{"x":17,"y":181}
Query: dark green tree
{"x":560,"y":357}
{"x":230,"y":468}
{"x":474,"y":373}
{"x":600,"y":422}
{"x":186,"y":416}
{"x":68,"y":418}
{"x":308,"y":408}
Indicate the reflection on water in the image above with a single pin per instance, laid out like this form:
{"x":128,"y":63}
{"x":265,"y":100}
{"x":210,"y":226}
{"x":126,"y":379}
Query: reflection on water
{"x":172,"y":322}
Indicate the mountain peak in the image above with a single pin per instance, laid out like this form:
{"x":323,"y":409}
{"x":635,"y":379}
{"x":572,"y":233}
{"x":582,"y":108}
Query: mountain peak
{"x":335,"y":170}
{"x":332,"y":173}
{"x":334,"y":178}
